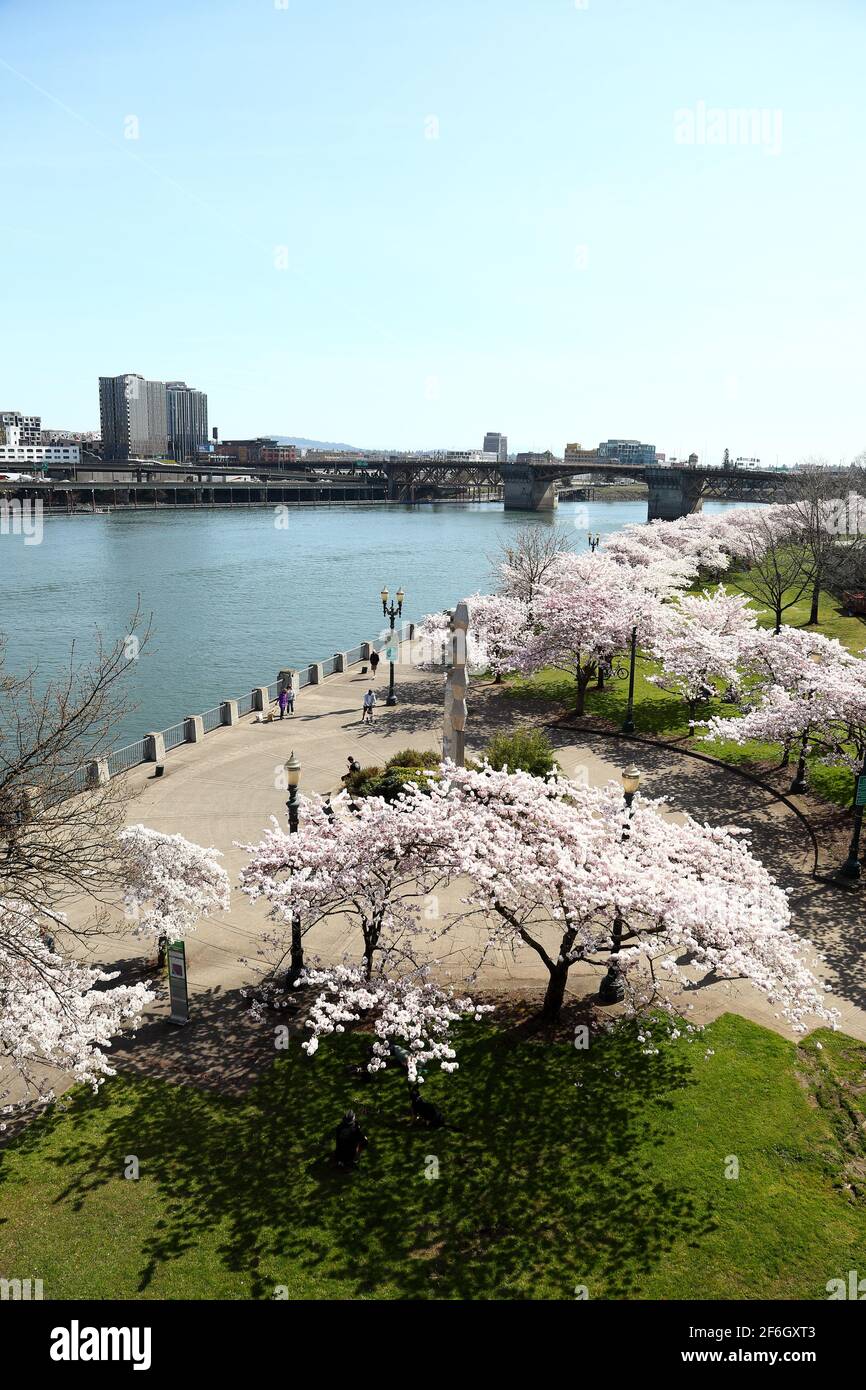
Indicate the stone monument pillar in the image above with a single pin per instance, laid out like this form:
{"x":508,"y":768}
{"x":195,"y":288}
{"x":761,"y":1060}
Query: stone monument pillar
{"x":456,"y":686}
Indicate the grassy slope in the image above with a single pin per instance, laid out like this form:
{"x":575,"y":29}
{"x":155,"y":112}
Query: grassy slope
{"x":617,"y":1183}
{"x":658,"y":713}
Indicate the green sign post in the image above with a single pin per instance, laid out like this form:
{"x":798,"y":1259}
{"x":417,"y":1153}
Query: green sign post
{"x":860,"y":792}
{"x":177,"y":990}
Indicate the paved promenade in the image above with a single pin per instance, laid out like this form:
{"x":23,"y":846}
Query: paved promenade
{"x":223,"y":791}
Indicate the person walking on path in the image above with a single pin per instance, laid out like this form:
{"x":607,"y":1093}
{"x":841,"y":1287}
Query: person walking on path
{"x":283,"y":703}
{"x":369,"y":706}
{"x":374,"y":661}
{"x":290,"y":700}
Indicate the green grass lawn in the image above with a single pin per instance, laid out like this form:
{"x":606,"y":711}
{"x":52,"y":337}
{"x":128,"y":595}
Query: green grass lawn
{"x":603,"y":1168}
{"x":663,"y":715}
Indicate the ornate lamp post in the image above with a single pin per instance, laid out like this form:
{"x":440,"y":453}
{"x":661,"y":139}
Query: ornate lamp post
{"x":612,"y":988}
{"x":852,"y":868}
{"x":393,"y":611}
{"x":293,"y":776}
{"x":593,"y":541}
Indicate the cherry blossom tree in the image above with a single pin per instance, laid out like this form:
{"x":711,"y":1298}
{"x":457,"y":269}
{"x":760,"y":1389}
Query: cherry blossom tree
{"x":571,"y":873}
{"x":408,"y":1011}
{"x":581,"y":623}
{"x":782,"y":670}
{"x":55,"y":1013}
{"x":171,"y":883}
{"x":697,"y":640}
{"x":500,"y":625}
{"x":826,"y":711}
{"x":431,"y":645}
{"x":372,"y":869}
{"x":693,"y":545}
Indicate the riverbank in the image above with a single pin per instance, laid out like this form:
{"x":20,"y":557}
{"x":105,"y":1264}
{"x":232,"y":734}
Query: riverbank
{"x":613,"y":492}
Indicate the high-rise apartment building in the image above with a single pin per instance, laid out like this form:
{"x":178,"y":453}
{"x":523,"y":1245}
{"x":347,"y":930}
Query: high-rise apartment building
{"x":29,"y":427}
{"x":497,"y":444}
{"x":186,"y":419}
{"x":134,"y":417}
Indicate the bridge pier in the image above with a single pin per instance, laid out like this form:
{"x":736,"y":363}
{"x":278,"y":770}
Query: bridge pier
{"x":673,"y":493}
{"x":528,"y":490}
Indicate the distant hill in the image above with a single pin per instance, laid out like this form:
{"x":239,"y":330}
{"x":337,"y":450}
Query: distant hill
{"x":314,"y":443}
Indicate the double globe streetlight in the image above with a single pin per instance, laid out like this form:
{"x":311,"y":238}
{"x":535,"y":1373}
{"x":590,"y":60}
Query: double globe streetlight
{"x":392,"y":611}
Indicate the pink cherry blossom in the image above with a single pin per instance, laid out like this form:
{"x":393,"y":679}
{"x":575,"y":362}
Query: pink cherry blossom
{"x":408,"y":1011}
{"x":170,"y":882}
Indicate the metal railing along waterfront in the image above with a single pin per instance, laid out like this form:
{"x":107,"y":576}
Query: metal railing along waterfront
{"x":122,"y":759}
{"x":212,"y":719}
{"x":153,"y":747}
{"x":174,"y":736}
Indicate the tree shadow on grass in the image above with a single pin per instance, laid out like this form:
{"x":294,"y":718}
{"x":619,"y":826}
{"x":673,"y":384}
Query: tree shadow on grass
{"x":537,"y":1185}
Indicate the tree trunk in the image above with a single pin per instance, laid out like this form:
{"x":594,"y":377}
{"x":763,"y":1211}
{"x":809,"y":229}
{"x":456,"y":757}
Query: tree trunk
{"x":297,"y":957}
{"x":369,"y":949}
{"x":816,"y":599}
{"x":555,"y":992}
{"x":778,"y":628}
{"x":582,"y":683}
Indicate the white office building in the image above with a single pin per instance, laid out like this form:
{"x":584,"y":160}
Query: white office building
{"x":18,"y":457}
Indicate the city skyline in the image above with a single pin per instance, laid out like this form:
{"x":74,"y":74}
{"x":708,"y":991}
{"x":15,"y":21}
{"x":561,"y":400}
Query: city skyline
{"x":594,"y":243}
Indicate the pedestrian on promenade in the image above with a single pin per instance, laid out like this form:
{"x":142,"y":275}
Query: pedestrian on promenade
{"x":369,"y":705}
{"x":290,"y":694}
{"x":283,"y":702}
{"x":374,"y":661}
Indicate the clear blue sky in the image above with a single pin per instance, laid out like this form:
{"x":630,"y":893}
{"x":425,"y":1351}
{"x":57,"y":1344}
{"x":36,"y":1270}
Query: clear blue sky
{"x":555,"y":264}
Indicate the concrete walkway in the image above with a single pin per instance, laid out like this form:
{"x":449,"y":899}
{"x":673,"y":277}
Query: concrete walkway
{"x":223,"y":791}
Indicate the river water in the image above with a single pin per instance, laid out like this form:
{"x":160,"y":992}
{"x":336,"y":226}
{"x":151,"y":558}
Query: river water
{"x":234,"y":596}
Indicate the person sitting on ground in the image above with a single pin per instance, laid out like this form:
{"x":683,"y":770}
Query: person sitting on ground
{"x":350,"y":1141}
{"x":425,"y":1111}
{"x":354,"y":766}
